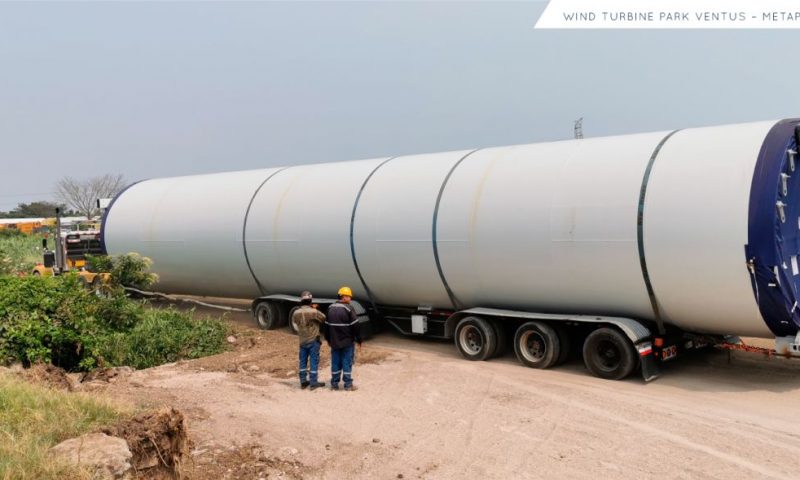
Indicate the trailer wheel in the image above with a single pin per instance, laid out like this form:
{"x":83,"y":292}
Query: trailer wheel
{"x":502,"y":338}
{"x":609,"y":354}
{"x":564,"y":344}
{"x":475,"y":338}
{"x":267,"y":315}
{"x":537,"y":345}
{"x":292,"y":325}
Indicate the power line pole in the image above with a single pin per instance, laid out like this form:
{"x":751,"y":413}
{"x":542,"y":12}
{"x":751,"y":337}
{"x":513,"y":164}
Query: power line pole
{"x":579,"y":128}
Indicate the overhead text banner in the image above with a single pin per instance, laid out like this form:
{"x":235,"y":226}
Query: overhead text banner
{"x":665,"y":14}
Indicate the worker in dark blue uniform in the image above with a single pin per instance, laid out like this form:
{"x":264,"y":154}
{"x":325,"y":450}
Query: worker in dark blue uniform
{"x":343,"y":333}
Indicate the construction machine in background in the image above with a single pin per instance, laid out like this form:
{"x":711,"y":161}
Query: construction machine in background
{"x":72,"y":246}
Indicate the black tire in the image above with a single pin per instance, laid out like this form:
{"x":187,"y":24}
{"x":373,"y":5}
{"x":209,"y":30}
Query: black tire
{"x":501,"y":332}
{"x":475,"y":338}
{"x":564,"y":343}
{"x":537,"y":345}
{"x":609,"y":354}
{"x":292,"y":326}
{"x":267,"y":315}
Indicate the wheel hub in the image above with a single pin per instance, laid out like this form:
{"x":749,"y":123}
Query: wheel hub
{"x":534,"y":347}
{"x":262,"y":317}
{"x":471,"y":340}
{"x":609,"y":355}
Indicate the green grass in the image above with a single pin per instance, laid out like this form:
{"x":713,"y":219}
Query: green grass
{"x":34,"y":418}
{"x":163,"y":336}
{"x":19,"y":253}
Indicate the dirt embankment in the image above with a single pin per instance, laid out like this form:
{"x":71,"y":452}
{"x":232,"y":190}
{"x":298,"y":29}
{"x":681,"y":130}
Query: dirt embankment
{"x":254,"y":352}
{"x":45,"y":374}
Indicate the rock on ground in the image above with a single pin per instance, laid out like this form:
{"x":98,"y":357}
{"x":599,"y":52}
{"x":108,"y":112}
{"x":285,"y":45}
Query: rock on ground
{"x":109,"y":457}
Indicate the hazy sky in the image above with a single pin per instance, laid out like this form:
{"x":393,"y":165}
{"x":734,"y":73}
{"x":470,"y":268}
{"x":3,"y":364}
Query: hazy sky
{"x":158,"y":89}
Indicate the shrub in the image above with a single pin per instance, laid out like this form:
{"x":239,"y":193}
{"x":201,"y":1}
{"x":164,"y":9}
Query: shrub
{"x":131,"y":270}
{"x":99,"y":263}
{"x":58,"y":320}
{"x":46,"y":319}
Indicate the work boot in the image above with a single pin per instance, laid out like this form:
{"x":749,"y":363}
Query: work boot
{"x":317,"y":385}
{"x":334,"y":386}
{"x":304,"y":385}
{"x":350,"y":388}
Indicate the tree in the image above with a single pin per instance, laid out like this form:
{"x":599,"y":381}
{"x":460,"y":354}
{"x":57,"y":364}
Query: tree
{"x":82,"y":195}
{"x":35,"y":210}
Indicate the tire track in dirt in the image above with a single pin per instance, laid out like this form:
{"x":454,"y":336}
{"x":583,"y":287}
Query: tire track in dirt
{"x":739,"y":432}
{"x":656,"y":432}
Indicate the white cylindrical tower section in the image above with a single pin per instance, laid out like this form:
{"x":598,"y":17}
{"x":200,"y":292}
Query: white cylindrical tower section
{"x":298,"y":228}
{"x":192,"y":229}
{"x":549,"y":226}
{"x":394,"y":230}
{"x":695,"y":228}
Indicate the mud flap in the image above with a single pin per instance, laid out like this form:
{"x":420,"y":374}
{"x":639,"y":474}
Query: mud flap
{"x":650,"y":370}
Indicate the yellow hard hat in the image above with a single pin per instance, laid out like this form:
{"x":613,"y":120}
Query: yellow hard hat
{"x":345,"y":291}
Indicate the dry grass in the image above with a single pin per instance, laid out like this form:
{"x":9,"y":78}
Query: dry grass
{"x":34,"y":418}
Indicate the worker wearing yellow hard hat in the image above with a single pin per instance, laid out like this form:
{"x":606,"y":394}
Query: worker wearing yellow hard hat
{"x":345,"y":292}
{"x":343,"y":333}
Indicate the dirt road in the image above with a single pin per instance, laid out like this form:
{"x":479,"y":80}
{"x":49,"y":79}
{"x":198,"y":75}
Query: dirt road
{"x":423,"y":412}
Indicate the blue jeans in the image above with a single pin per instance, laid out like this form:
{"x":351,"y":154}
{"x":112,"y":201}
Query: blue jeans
{"x":342,"y":364}
{"x":308,"y":351}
